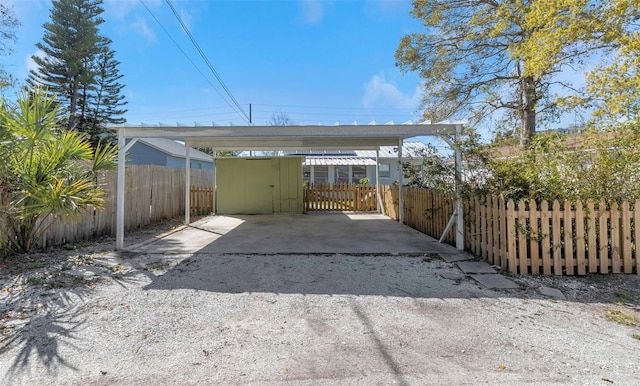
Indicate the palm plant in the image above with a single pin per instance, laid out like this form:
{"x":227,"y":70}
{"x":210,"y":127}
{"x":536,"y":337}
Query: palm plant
{"x":45,"y":172}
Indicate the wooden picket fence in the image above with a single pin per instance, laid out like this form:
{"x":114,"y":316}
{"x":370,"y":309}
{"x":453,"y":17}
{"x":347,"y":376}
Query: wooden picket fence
{"x":340,"y":197}
{"x":152,"y":193}
{"x":201,"y":200}
{"x":560,"y":238}
{"x":525,"y":237}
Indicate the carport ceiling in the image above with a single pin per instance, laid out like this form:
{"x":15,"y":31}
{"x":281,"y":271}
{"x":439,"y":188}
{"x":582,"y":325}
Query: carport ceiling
{"x":351,"y":137}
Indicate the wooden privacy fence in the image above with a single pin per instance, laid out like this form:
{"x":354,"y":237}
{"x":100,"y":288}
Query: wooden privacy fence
{"x":201,"y":200}
{"x":525,"y":237}
{"x":152,"y":193}
{"x":340,"y":197}
{"x":555,"y":238}
{"x":425,"y":210}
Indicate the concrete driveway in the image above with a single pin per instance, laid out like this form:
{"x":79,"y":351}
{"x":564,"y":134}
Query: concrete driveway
{"x":317,"y":233}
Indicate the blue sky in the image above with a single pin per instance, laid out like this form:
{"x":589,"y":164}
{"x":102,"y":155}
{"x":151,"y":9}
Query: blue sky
{"x":315,"y":61}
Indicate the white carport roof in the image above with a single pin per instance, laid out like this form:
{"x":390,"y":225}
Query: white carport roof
{"x":352,"y":137}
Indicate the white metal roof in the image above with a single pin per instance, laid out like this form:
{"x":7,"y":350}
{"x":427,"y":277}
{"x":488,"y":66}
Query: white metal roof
{"x":410,"y":149}
{"x":326,"y":161}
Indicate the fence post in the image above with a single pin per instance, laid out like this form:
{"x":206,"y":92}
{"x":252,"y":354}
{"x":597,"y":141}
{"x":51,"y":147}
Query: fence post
{"x":534,"y":239}
{"x":569,"y":262}
{"x":511,"y":237}
{"x":626,"y":238}
{"x":636,"y":221}
{"x":522,"y":238}
{"x":580,"y":241}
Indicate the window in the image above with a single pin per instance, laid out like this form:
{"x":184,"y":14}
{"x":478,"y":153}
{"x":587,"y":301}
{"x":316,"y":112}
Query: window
{"x":342,"y":174}
{"x":358,"y":172}
{"x":306,"y":174}
{"x":385,"y":170}
{"x":320,"y":174}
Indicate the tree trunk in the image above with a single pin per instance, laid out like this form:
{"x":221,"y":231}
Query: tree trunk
{"x":73,"y":103}
{"x":528,"y":111}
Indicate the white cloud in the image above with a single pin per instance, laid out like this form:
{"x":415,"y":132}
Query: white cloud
{"x":141,"y":27}
{"x":380,"y":93}
{"x":119,"y":8}
{"x":312,"y":11}
{"x":187,"y":18}
{"x":30,"y":64}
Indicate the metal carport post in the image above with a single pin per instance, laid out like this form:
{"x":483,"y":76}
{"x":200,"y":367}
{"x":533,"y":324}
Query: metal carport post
{"x":457,"y":214}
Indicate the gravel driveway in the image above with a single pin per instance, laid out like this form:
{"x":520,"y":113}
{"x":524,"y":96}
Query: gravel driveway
{"x":207,"y":319}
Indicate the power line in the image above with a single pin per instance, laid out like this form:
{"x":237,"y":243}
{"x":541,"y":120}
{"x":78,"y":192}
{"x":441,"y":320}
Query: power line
{"x":185,"y":54}
{"x":336,"y":108}
{"x":206,"y":60}
{"x":329,"y":115}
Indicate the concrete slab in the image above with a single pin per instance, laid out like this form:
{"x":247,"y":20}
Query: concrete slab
{"x":470,"y":267}
{"x":495,"y":281}
{"x":456,"y":256}
{"x":450,"y":275}
{"x":552,"y":293}
{"x":348,"y":233}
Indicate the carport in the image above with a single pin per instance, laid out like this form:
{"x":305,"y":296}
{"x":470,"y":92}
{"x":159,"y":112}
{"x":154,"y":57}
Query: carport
{"x":264,"y":138}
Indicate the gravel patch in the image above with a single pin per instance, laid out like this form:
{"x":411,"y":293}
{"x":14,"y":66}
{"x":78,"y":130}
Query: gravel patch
{"x":305,"y":319}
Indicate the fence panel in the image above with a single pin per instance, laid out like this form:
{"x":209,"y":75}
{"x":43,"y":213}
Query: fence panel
{"x":340,"y":197}
{"x":152,"y":193}
{"x":532,"y":238}
{"x":201,"y":200}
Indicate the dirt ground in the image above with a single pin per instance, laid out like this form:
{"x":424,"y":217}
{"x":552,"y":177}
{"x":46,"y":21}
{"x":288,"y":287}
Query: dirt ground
{"x":86,"y":315}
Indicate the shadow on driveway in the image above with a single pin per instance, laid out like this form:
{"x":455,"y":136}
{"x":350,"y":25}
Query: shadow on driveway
{"x":333,"y":274}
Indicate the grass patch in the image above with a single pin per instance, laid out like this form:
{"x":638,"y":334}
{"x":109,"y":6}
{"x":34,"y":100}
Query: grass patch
{"x":76,"y":246}
{"x":620,"y":317}
{"x":35,"y":265}
{"x":35,"y":280}
{"x":622,"y":295}
{"x":157,"y":266}
{"x":635,"y":336}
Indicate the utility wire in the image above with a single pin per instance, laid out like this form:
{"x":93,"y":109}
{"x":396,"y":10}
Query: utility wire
{"x":206,"y":60}
{"x":335,"y":107}
{"x":185,"y":55}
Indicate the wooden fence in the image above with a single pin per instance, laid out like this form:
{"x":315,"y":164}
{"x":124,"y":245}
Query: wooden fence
{"x":425,"y":210}
{"x":526,"y":237}
{"x":555,"y":238}
{"x":152,"y":193}
{"x":340,"y":197}
{"x":201,"y":200}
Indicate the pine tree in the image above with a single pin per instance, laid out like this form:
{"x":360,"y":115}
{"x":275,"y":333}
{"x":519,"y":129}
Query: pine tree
{"x":101,"y":102}
{"x":80,"y":68}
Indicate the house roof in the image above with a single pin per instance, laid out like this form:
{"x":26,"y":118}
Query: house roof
{"x":320,"y":153}
{"x":413,"y":149}
{"x":353,"y":161}
{"x":175,"y":149}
